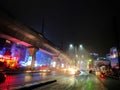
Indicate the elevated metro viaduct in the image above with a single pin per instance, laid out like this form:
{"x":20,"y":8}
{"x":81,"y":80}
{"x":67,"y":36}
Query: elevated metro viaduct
{"x":16,"y":32}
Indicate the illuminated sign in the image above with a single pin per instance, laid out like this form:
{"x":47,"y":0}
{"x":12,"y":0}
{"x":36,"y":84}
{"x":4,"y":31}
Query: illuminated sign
{"x":114,"y":57}
{"x":113,"y":52}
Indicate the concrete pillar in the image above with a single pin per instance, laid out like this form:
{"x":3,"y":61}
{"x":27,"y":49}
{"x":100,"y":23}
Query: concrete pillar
{"x":32,"y":52}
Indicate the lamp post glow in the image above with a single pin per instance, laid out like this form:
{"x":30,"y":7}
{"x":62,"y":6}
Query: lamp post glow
{"x":71,"y":46}
{"x":81,"y":47}
{"x":75,"y":49}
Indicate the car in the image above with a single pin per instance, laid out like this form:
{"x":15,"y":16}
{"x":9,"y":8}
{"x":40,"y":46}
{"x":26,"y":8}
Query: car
{"x":90,"y":71}
{"x":77,"y":73}
{"x":2,"y":77}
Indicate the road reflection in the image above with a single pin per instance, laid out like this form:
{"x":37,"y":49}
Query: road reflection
{"x":84,"y":81}
{"x":22,"y":79}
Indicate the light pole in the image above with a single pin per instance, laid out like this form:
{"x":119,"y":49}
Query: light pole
{"x":75,"y":50}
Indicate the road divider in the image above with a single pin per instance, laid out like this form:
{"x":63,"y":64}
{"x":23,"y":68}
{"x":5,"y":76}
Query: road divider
{"x":34,"y":85}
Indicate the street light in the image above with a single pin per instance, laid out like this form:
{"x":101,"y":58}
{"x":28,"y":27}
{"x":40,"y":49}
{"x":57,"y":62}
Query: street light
{"x":71,"y":46}
{"x":76,"y":51}
{"x":81,"y":47}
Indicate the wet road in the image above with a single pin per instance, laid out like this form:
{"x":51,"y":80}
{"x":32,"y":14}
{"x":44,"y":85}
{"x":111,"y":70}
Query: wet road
{"x":84,"y":81}
{"x":24,"y":78}
{"x":111,"y":83}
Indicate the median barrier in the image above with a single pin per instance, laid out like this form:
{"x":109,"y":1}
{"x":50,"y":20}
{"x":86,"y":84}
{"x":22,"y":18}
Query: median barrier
{"x":34,"y":85}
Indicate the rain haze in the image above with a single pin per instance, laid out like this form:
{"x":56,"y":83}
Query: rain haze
{"x":91,"y":23}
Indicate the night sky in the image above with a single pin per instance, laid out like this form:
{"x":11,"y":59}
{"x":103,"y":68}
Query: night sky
{"x":90,"y":23}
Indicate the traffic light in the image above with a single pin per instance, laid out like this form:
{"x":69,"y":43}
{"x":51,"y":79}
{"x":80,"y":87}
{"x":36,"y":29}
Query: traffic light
{"x":90,"y":60}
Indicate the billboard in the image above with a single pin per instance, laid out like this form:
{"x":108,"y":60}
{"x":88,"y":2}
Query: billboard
{"x":114,"y":58}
